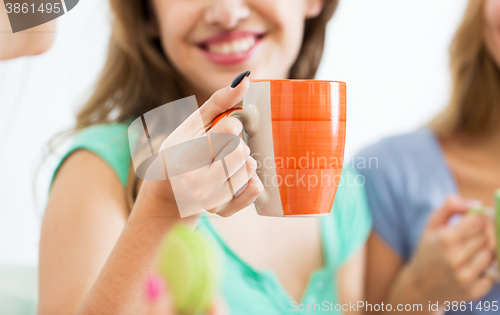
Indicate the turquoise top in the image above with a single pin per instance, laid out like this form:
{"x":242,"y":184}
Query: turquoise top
{"x":245,"y":289}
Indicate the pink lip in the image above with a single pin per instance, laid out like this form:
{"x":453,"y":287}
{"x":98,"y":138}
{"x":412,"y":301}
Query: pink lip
{"x":230,"y":59}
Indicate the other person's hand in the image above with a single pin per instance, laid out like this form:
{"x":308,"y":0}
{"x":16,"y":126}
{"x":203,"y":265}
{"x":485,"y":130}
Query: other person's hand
{"x":451,"y":261}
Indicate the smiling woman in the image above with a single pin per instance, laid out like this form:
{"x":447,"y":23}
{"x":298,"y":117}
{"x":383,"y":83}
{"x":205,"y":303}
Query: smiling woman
{"x":104,"y":223}
{"x":270,"y":26}
{"x":157,"y":50}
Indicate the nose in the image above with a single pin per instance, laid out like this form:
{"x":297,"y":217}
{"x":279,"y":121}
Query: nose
{"x":226,"y":13}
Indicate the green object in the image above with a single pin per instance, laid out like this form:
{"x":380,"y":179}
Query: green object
{"x":189,"y":264}
{"x":244,"y":289}
{"x":492,"y":213}
{"x":477,"y":210}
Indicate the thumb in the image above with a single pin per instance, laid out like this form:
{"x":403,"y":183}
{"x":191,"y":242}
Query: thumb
{"x":453,"y":205}
{"x":225,"y":98}
{"x":198,"y":123}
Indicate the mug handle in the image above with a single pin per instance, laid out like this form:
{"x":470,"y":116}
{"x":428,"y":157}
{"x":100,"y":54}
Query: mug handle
{"x":249,"y":118}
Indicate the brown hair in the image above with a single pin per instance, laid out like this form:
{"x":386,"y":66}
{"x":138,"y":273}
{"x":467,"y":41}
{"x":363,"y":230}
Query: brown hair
{"x":474,"y":107}
{"x":138,"y":76}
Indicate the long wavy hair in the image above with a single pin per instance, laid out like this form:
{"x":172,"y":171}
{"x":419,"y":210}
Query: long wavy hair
{"x":138,"y":76}
{"x":474,"y":107}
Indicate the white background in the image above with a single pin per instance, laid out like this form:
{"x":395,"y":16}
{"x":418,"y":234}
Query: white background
{"x":393,"y":54}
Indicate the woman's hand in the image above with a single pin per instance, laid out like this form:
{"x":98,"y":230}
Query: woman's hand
{"x":87,"y":226}
{"x":222,"y":180}
{"x":160,"y":303}
{"x":451,"y":262}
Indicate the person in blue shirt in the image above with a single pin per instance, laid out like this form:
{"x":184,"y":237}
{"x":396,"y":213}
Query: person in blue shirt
{"x":424,"y":249}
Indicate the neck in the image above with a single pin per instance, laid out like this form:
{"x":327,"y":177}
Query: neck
{"x":495,"y":140}
{"x":488,"y":143}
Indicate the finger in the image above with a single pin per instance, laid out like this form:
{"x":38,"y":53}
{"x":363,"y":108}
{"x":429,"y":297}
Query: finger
{"x":243,"y":200}
{"x":224,"y":189}
{"x":222,"y":100}
{"x":243,"y":175}
{"x":493,"y":272}
{"x":469,"y":226}
{"x":491,"y":235}
{"x":481,"y":287}
{"x":228,"y":124}
{"x":159,"y":302}
{"x":477,"y":265}
{"x":452,"y":206}
{"x":471,"y":247}
{"x":234,"y":155}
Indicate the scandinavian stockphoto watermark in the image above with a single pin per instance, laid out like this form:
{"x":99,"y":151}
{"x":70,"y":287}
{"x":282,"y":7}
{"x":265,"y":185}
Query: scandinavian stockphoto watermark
{"x":172,"y":142}
{"x":26,"y":14}
{"x":321,"y":178}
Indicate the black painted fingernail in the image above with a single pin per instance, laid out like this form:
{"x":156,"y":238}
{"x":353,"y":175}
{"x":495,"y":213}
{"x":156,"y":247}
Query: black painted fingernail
{"x":239,"y":78}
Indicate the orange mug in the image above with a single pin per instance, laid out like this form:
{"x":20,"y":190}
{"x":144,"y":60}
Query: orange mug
{"x":296,"y":132}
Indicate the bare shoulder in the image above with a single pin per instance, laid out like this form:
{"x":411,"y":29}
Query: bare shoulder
{"x":85,"y":216}
{"x":85,"y":179}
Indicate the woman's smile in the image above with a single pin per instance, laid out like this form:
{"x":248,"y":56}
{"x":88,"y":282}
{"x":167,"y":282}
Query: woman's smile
{"x":230,"y":48}
{"x":213,"y":41}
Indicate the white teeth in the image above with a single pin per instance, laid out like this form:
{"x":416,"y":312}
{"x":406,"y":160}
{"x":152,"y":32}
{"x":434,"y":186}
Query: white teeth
{"x":226,"y":49}
{"x":236,"y":46}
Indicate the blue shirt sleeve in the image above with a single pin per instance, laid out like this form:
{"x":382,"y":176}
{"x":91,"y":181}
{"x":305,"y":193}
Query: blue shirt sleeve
{"x":378,"y":165}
